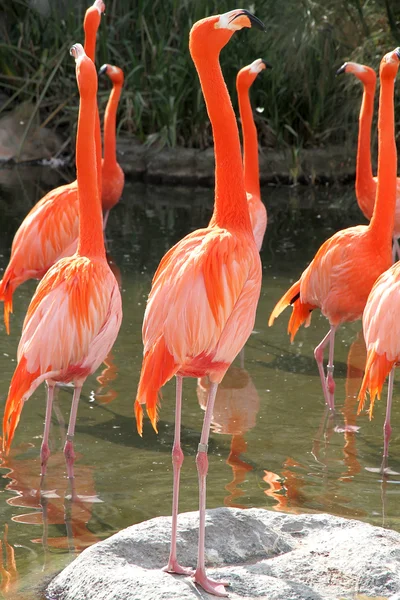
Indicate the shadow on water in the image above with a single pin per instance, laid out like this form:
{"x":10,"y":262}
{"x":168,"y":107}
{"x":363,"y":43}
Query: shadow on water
{"x":272,"y":444}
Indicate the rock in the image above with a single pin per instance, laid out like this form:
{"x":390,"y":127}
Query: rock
{"x":39,"y":143}
{"x":264,"y":555}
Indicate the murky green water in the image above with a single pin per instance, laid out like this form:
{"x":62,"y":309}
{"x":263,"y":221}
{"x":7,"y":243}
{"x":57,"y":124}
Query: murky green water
{"x":272,"y":447}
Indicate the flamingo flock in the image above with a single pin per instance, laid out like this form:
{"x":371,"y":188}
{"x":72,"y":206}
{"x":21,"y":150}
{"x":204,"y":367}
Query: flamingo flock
{"x":202,"y":305}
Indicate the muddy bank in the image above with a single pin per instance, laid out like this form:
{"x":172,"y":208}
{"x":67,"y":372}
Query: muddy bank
{"x":187,"y":166}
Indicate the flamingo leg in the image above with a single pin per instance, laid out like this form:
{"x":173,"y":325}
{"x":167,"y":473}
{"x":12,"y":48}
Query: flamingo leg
{"x":387,"y":430}
{"x":45,"y":450}
{"x":69,"y":444}
{"x":105,"y":219}
{"x":177,"y":459}
{"x":328,"y":384}
{"x":212,"y":587}
{"x":395,"y":250}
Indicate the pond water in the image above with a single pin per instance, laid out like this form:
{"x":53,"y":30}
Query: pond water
{"x":273,"y":446}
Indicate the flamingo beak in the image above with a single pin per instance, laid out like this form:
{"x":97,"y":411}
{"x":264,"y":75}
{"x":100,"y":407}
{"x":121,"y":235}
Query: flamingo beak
{"x":342,"y":69}
{"x":244,"y":18}
{"x":102,"y":70}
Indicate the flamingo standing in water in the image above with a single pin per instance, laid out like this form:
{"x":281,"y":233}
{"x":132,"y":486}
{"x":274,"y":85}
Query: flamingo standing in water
{"x":257,"y":210}
{"x":52,"y":225}
{"x":202,"y":304}
{"x":75,"y":315}
{"x":113,"y":175}
{"x":342,"y":273}
{"x":366,"y":183}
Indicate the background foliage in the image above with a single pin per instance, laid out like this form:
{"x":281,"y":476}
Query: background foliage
{"x":307,"y":40}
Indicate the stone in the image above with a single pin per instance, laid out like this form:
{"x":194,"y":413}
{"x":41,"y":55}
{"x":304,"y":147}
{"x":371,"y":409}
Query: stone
{"x":264,"y":555}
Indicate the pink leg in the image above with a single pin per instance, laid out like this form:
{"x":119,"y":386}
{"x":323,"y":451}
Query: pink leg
{"x":105,"y":219}
{"x":45,"y":450}
{"x":69,"y":445}
{"x":212,"y":587}
{"x":328,"y":385}
{"x":177,"y":459}
{"x":387,"y":430}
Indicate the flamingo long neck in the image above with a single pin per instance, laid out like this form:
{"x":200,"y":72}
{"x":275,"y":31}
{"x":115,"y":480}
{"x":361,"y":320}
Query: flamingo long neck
{"x":110,"y":123}
{"x":382,"y":222}
{"x":91,"y":241}
{"x":230,"y":208}
{"x":90,"y":50}
{"x":365,"y":184}
{"x":250,"y":144}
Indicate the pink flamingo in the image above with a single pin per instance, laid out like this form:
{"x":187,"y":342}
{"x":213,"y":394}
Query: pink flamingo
{"x":202,"y":304}
{"x":75,"y":315}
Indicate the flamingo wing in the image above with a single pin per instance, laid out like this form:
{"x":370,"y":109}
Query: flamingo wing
{"x":70,"y":309}
{"x":199,"y":285}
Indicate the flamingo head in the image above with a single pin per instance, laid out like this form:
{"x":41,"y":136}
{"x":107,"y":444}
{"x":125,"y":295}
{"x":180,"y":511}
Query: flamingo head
{"x":93,"y":16}
{"x":211,"y":34}
{"x":365,"y":74}
{"x":85,"y":71}
{"x":114,"y":73}
{"x":390,"y":64}
{"x":248,"y":74}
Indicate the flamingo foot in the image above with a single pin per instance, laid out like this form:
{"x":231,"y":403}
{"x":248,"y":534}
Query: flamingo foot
{"x":330,"y":388}
{"x":210,"y":585}
{"x":174,"y":567}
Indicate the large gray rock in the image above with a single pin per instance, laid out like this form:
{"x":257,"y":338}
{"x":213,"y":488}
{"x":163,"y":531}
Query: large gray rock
{"x":264,"y":555}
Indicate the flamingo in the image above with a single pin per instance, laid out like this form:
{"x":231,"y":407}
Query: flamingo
{"x":204,"y":295}
{"x":113,"y":175}
{"x":366,"y":183}
{"x":75,"y":314}
{"x":346,"y":266}
{"x":257,"y":210}
{"x":51,"y":226}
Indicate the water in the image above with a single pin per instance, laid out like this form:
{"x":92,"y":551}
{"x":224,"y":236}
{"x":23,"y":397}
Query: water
{"x":272,"y":447}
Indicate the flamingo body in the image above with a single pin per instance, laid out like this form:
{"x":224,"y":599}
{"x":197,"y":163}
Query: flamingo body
{"x":342,"y":273}
{"x":71,"y":325}
{"x":212,"y":277}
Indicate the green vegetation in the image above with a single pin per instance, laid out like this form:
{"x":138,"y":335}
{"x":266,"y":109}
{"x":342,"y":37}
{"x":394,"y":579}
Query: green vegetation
{"x":306,"y":41}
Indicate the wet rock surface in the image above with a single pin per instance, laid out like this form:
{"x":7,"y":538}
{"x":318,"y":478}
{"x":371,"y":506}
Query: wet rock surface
{"x":264,"y":555}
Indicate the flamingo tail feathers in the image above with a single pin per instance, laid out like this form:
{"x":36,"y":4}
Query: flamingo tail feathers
{"x":377,"y":369}
{"x":158,"y":368}
{"x":6,"y":293}
{"x":21,"y":388}
{"x":301,"y":311}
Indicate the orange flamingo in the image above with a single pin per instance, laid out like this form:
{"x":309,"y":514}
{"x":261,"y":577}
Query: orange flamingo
{"x":202,"y":304}
{"x":257,"y":210}
{"x":113,"y":175}
{"x":366,"y":183}
{"x":74,"y":317}
{"x":342,"y":273}
{"x":52,"y":224}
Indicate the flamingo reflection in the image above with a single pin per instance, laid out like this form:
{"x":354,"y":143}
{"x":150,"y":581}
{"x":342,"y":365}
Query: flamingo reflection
{"x":236,"y":406}
{"x":8,"y":566}
{"x":109,"y":374}
{"x":53,"y":500}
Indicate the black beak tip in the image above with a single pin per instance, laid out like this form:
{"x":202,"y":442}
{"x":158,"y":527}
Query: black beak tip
{"x":397,"y":50}
{"x":102,"y":70}
{"x":341,"y":69}
{"x":254,"y":20}
{"x":267,"y":64}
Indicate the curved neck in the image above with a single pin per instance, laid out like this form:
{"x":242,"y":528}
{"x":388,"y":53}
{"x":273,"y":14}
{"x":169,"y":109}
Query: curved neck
{"x":250,"y":143}
{"x":110,"y":124}
{"x":382,"y":221}
{"x":90,"y":217}
{"x":230,"y":208}
{"x":364,"y":175}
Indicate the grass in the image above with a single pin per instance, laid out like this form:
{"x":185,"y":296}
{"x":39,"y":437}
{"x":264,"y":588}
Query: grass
{"x":306,"y":42}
